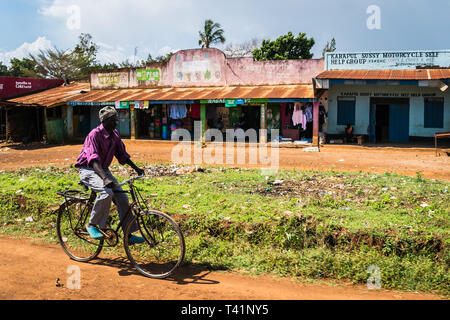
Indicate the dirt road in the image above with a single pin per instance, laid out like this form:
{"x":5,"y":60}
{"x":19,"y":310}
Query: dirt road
{"x":407,"y":161}
{"x":29,"y":270}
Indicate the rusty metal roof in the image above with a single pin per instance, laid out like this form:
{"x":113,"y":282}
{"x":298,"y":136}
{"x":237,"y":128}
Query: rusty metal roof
{"x":52,"y":97}
{"x":418,"y":74}
{"x":173,"y":94}
{"x":80,"y":92}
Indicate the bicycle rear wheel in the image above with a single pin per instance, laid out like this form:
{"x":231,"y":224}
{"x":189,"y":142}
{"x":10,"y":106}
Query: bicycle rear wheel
{"x":72,"y":233}
{"x":163,"y":249}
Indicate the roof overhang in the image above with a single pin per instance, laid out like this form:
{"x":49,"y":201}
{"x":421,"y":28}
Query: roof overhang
{"x":281,"y":93}
{"x":418,"y":77}
{"x":49,"y":98}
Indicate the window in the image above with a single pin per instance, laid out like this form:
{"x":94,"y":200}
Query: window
{"x":346,"y":111}
{"x":433,"y":116}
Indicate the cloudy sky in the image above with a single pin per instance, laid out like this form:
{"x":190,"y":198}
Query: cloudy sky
{"x":160,"y":26}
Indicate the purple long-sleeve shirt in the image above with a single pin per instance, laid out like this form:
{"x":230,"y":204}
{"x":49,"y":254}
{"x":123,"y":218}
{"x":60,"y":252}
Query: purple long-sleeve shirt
{"x":103,"y":147}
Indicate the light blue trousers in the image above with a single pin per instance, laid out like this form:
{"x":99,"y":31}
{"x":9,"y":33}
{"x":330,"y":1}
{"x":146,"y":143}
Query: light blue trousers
{"x":105,"y":196}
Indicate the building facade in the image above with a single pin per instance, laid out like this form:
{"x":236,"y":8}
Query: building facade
{"x":202,"y":85}
{"x":387,"y":96}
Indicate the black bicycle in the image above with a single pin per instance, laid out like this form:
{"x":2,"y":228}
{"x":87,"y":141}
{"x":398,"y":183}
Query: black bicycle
{"x":157,"y":257}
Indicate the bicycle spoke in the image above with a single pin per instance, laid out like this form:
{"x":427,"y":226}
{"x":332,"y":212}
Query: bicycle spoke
{"x":72,"y":233}
{"x":163,"y":248}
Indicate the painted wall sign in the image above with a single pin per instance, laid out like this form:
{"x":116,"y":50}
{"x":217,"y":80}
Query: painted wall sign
{"x":109,"y":78}
{"x":234,"y":102}
{"x":11,"y":87}
{"x":23,"y":85}
{"x":148,"y":74}
{"x":387,"y":94}
{"x":203,"y":71}
{"x":206,"y":68}
{"x":387,"y":60}
{"x":230,"y":103}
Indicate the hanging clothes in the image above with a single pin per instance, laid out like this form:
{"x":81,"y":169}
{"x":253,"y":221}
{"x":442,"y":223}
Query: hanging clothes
{"x":309,"y":112}
{"x":178,"y":111}
{"x":297,"y":115}
{"x":195,"y":111}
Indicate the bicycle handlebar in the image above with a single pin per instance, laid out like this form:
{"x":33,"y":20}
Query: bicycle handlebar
{"x":131,"y":180}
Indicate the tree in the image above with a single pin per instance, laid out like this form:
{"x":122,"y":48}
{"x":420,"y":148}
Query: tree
{"x":329,"y":47}
{"x":86,"y":47}
{"x":3,"y":70}
{"x":23,"y":68}
{"x":66,"y":65}
{"x":242,"y":49}
{"x":69,"y":65}
{"x":212,"y":33}
{"x":285,"y":47}
{"x":159,"y":59}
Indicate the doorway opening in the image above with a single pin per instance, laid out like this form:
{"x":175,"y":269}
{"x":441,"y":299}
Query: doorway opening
{"x":382,"y":123}
{"x":389,"y":119}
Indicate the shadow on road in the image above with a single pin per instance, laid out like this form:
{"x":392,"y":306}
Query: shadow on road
{"x":184,"y":275}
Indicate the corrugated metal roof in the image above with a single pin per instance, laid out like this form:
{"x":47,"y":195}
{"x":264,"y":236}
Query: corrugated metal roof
{"x":73,"y":93}
{"x":167,"y":94}
{"x":418,"y":74}
{"x":53,"y":96}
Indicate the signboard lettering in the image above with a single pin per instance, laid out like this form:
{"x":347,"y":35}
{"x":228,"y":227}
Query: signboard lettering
{"x":387,"y":60}
{"x":23,"y":85}
{"x":109,"y":78}
{"x":148,"y":74}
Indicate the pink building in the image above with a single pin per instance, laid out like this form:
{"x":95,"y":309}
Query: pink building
{"x":205,"y":85}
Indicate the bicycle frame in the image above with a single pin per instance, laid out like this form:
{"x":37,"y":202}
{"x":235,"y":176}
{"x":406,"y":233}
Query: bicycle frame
{"x":136,"y":197}
{"x":137,"y":201}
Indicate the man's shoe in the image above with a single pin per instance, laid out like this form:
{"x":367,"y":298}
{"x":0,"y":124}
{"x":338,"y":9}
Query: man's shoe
{"x":132,"y":239}
{"x":95,"y":233}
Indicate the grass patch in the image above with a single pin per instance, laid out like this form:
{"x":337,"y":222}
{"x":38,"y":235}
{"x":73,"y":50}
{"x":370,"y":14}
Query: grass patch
{"x":312,"y":225}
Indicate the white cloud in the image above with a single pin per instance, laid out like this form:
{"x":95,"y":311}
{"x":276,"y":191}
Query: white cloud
{"x":146,"y":24}
{"x":41,"y":43}
{"x":166,"y":50}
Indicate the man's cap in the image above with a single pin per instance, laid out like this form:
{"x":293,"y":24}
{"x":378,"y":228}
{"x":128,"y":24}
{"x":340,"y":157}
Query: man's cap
{"x":107,"y":112}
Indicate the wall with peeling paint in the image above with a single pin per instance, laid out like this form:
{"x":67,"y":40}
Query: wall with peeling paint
{"x":210,"y":68}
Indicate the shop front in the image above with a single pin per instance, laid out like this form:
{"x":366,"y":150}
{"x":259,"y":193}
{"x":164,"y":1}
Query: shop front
{"x":397,"y":98}
{"x":203,"y":86}
{"x":151,"y":115}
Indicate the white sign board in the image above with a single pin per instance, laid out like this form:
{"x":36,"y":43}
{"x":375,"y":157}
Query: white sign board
{"x":382,"y":60}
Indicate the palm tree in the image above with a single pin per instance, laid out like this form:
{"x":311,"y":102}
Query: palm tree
{"x":212,"y":33}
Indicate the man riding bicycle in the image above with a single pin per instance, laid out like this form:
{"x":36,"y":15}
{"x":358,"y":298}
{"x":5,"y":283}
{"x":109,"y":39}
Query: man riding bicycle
{"x":100,"y":147}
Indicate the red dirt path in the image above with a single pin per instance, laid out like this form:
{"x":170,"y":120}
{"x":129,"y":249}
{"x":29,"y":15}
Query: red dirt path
{"x":407,"y":161}
{"x":29,"y":270}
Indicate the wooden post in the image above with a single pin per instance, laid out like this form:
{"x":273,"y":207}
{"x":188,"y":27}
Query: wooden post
{"x":69,"y":117}
{"x":204,"y":124}
{"x":7,"y":132}
{"x":315,"y":140}
{"x":132,"y":122}
{"x":263,"y":123}
{"x":45,"y":125}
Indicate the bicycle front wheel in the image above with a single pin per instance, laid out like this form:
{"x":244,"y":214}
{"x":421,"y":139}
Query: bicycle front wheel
{"x":72,"y":233}
{"x":163,"y":249}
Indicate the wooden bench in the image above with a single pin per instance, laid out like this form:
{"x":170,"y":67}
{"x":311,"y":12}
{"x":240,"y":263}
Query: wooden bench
{"x":440,"y":135}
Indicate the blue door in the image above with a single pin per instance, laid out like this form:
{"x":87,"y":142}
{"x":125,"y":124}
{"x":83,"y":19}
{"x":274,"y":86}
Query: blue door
{"x":399,"y":123}
{"x":372,"y":123}
{"x":124,"y":123}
